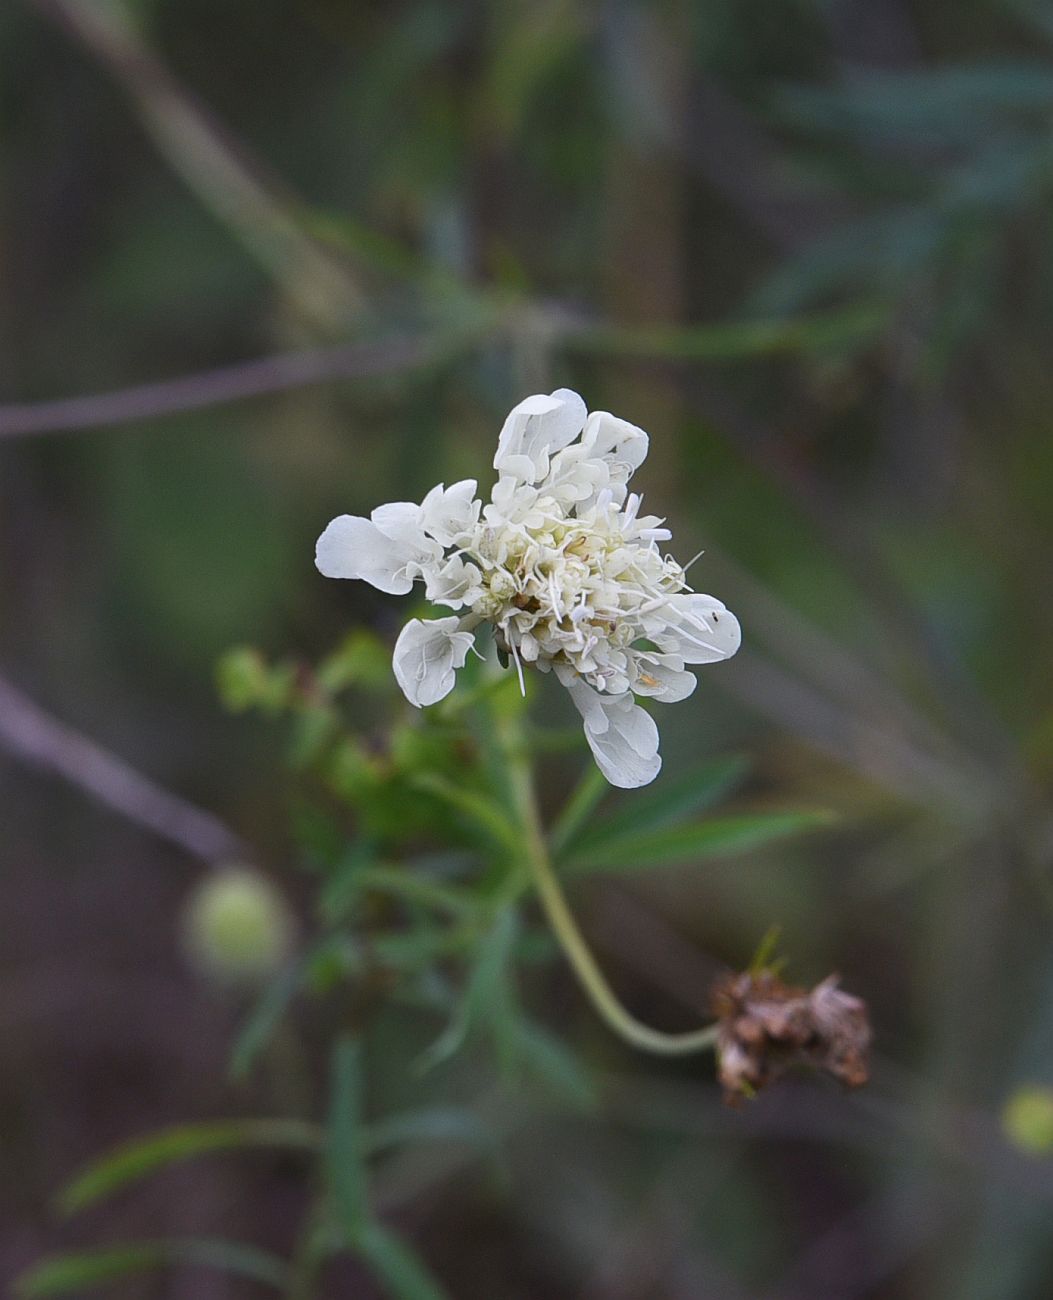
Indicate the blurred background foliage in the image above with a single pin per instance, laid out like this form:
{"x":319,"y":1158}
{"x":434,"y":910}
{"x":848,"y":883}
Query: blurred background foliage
{"x":806,"y":243}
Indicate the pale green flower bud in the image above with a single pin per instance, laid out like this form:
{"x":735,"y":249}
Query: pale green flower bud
{"x":1027,"y":1120}
{"x":237,"y":927}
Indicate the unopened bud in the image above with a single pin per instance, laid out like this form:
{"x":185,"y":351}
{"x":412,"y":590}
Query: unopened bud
{"x":1027,"y":1120}
{"x":237,"y":927}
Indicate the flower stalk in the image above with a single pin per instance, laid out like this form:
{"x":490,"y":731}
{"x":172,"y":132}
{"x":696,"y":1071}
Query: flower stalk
{"x":557,"y":910}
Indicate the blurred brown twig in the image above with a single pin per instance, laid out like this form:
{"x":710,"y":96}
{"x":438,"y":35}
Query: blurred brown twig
{"x":33,"y":735}
{"x":255,"y":378}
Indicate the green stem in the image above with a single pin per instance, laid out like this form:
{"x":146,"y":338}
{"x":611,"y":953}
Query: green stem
{"x":309,"y":1255}
{"x":576,"y":949}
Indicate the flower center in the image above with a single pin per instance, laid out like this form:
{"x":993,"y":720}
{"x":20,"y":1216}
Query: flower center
{"x":573,"y":591}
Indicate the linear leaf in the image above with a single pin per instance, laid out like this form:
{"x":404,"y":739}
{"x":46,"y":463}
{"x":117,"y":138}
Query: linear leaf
{"x":415,"y":888}
{"x":550,"y":1060}
{"x":345,"y":1155}
{"x":74,"y":1273}
{"x":710,"y":838}
{"x":342,"y":886}
{"x":578,"y":808}
{"x":434,"y":1124}
{"x":396,"y":1264}
{"x":264,"y":1017}
{"x":63,"y":1274}
{"x":135,"y":1160}
{"x":478,"y":808}
{"x":693,"y":792}
{"x":486,"y":996}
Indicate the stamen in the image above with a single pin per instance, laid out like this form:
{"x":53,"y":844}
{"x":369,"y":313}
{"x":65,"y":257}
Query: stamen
{"x":519,"y":666}
{"x":695,"y":640}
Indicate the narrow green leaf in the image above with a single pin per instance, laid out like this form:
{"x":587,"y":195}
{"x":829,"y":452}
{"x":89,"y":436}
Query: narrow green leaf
{"x":549,"y":1059}
{"x":693,"y":792}
{"x":72,"y":1274}
{"x":764,"y":957}
{"x":434,"y":1124}
{"x":419,"y":889}
{"x":577,"y":810}
{"x":265,"y":1016}
{"x":418,"y":948}
{"x":485,"y":812}
{"x":135,"y":1160}
{"x":396,"y":1264}
{"x":486,"y":995}
{"x":710,"y":838}
{"x":344,"y":883}
{"x":232,"y":1257}
{"x":63,"y":1274}
{"x":345,"y":1154}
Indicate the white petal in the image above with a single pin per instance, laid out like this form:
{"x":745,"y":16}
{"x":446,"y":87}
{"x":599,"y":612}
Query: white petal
{"x":398,"y":520}
{"x":700,"y":630}
{"x":612,"y":439}
{"x":427,"y":656}
{"x":664,"y":678}
{"x":453,"y":583}
{"x":535,"y":429}
{"x":622,"y":736}
{"x":352,"y":547}
{"x":448,"y":513}
{"x":587,"y":701}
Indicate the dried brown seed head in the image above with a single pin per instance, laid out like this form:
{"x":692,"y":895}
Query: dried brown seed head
{"x":767,"y":1027}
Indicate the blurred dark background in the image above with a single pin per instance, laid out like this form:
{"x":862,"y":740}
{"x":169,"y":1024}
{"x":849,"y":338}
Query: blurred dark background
{"x":807,"y":244}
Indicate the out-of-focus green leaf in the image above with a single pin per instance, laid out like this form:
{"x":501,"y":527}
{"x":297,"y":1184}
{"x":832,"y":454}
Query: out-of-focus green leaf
{"x":717,"y":835}
{"x":418,"y":948}
{"x":549,"y":1059}
{"x":663,"y":805}
{"x":486,"y":997}
{"x":433,"y":1124}
{"x":315,"y":727}
{"x":246,"y":680}
{"x":320,"y":835}
{"x":342,"y":888}
{"x":577,"y":810}
{"x":482,"y":811}
{"x":396,"y":1264}
{"x":73,"y":1274}
{"x":345,"y":1153}
{"x":925,"y":105}
{"x":414,"y":888}
{"x":264,"y":1018}
{"x":241,"y":676}
{"x":873,"y":255}
{"x":135,"y":1160}
{"x":361,"y":660}
{"x":66,"y":1274}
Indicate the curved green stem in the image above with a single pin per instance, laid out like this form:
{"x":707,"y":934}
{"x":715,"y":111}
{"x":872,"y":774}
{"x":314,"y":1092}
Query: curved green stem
{"x":561,"y":918}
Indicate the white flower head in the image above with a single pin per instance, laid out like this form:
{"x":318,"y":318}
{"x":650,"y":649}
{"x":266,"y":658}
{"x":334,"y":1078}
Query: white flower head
{"x":562,"y":564}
